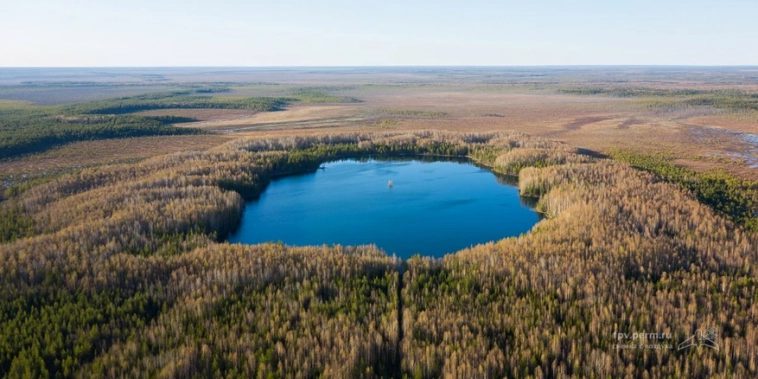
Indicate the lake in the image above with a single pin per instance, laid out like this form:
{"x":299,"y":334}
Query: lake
{"x":432,"y":208}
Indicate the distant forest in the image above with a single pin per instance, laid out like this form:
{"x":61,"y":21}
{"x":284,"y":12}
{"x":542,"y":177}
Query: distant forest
{"x":729,"y":99}
{"x":121,"y":271}
{"x":34,"y":129}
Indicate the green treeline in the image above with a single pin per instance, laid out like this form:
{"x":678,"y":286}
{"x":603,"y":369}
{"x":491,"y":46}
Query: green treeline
{"x":640,"y":91}
{"x":14,"y":223}
{"x":175,"y":100}
{"x":26,"y":130}
{"x":725,"y":99}
{"x":734,"y":197}
{"x":120,"y":271}
{"x":22,"y":133}
{"x":318,"y":95}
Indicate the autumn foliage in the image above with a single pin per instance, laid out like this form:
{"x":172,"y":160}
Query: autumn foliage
{"x":121,"y":271}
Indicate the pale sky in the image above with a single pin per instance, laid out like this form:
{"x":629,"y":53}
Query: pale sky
{"x":88,"y":33}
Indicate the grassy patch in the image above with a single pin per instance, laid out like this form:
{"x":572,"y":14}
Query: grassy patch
{"x":388,"y":123}
{"x":413,"y":113}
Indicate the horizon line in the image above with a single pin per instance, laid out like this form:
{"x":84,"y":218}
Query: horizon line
{"x":396,"y":66}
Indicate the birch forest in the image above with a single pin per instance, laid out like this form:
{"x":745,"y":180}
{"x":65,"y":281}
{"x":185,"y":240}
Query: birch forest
{"x":122,"y":271}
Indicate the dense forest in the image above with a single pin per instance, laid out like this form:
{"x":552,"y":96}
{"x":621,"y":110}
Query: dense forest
{"x":121,"y":271}
{"x":25,"y":132}
{"x":198,"y":98}
{"x":737,"y":198}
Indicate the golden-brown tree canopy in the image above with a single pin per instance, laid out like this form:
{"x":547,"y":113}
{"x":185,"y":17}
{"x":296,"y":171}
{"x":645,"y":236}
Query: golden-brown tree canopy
{"x":121,"y":271}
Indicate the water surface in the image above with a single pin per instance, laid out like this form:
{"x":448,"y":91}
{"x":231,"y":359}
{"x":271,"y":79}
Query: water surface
{"x":433,"y":208}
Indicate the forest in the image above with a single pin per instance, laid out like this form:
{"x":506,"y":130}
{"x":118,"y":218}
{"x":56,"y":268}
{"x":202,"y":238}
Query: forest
{"x":23,"y":132}
{"x":122,"y":271}
{"x":737,"y":198}
{"x":33,"y":129}
{"x":728,"y":99}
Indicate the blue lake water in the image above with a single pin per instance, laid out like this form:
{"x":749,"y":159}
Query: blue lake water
{"x":433,"y":208}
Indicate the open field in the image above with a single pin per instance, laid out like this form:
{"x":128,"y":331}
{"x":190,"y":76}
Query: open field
{"x":294,"y":117}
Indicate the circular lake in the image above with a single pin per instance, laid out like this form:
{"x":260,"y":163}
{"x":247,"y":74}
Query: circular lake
{"x":432,"y":208}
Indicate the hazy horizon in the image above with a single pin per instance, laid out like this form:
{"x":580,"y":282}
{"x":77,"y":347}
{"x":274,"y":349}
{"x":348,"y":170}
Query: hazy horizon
{"x":400,"y":66}
{"x":340,"y":33}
